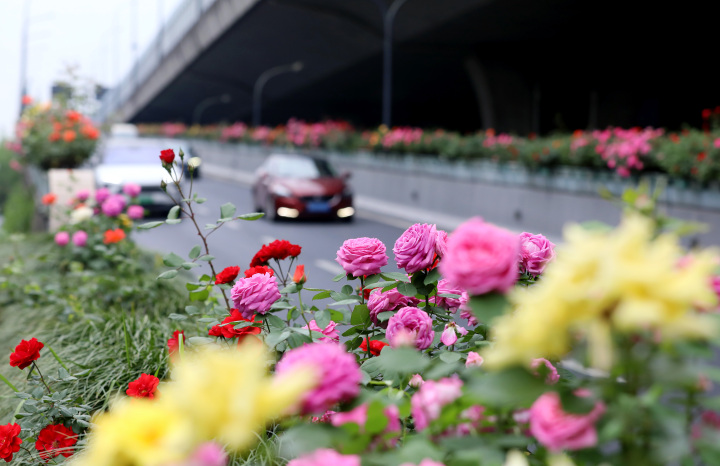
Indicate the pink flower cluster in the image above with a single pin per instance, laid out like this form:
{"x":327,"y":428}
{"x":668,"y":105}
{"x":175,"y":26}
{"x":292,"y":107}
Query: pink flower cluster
{"x":236,"y":131}
{"x":300,"y":133}
{"x":255,"y":294}
{"x":173,"y":129}
{"x":623,"y":149}
{"x":325,"y":457}
{"x":501,"y":139}
{"x":401,"y":136}
{"x":431,"y":397}
{"x":337,"y":371}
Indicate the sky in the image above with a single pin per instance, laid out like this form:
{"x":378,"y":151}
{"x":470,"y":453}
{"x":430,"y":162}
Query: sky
{"x":96,"y":36}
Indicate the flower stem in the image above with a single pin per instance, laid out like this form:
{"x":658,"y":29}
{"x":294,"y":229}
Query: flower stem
{"x":35,"y":366}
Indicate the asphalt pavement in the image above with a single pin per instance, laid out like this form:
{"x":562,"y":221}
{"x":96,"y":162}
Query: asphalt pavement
{"x":238,"y":241}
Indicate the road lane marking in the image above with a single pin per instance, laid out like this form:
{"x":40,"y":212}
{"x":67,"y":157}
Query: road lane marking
{"x":328,"y":266}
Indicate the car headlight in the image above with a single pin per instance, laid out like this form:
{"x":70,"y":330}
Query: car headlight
{"x":280,"y":190}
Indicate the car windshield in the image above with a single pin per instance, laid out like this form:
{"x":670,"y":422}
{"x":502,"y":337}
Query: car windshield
{"x":297,"y":167}
{"x":131,"y":155}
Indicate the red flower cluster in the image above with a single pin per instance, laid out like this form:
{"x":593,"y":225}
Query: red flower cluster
{"x":114,"y":236}
{"x":261,"y":269}
{"x":9,"y":441}
{"x":227,"y":275}
{"x":143,"y":387}
{"x":167,"y":156}
{"x":25,"y":353}
{"x":55,"y":440}
{"x":174,"y":342}
{"x":228,"y":331}
{"x":375,"y":346}
{"x":49,"y":198}
{"x":278,"y":249}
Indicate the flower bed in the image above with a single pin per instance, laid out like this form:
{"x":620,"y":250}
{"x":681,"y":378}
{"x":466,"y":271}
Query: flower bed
{"x":466,"y":357}
{"x":691,"y":155}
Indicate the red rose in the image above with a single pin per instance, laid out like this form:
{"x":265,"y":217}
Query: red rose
{"x":227,"y":275}
{"x":114,"y":236}
{"x":49,"y":199}
{"x":9,"y":441}
{"x":25,"y":353}
{"x":229,"y":330}
{"x":262,"y":269}
{"x":279,"y":249}
{"x":375,"y":346}
{"x":167,"y":156}
{"x":706,"y":113}
{"x":55,"y":440}
{"x":299,"y":276}
{"x":143,"y":387}
{"x":701,"y":156}
{"x":174,"y":342}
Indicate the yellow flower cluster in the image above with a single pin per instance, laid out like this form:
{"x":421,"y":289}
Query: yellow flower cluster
{"x":603,"y":282}
{"x":215,"y":394}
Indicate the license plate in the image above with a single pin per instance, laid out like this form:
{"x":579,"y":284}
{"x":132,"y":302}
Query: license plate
{"x":317,"y":207}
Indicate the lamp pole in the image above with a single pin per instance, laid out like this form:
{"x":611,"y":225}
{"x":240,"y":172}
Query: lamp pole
{"x":264,"y":77}
{"x":23,"y":55}
{"x":388,"y":15}
{"x":204,"y":104}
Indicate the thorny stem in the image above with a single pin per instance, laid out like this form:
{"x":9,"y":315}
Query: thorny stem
{"x":191,"y":215}
{"x":35,"y":366}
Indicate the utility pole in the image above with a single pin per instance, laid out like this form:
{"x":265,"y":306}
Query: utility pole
{"x":24,"y":54}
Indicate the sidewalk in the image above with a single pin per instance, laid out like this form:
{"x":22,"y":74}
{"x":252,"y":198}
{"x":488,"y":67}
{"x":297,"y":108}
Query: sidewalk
{"x":381,"y":210}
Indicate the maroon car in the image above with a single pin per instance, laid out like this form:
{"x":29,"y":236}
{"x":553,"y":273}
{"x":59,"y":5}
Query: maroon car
{"x":294,"y":185}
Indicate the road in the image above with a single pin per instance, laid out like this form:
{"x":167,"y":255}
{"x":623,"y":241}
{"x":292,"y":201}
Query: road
{"x":237,"y":242}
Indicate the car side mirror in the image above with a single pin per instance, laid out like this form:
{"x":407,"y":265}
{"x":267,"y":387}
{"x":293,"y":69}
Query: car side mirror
{"x":346,"y":175}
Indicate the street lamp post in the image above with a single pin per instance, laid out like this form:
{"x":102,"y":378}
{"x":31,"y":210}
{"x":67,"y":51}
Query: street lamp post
{"x":388,"y":15}
{"x":260,"y":84}
{"x":204,"y":104}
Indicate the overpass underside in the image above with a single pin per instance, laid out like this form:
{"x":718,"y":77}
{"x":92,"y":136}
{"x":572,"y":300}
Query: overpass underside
{"x":514,"y":65}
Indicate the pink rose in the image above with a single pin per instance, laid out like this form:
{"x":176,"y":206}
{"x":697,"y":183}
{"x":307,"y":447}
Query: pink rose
{"x":208,"y":454}
{"x":338,"y":374}
{"x":390,"y":300}
{"x":362,"y":256}
{"x":450,"y":334}
{"x":62,"y":238}
{"x":413,"y":322}
{"x":79,"y":238}
{"x":132,"y":190}
{"x":441,"y":243}
{"x":445,"y":287}
{"x":536,"y":252}
{"x":431,"y":397}
{"x":325,"y":418}
{"x":113,"y":206}
{"x":359,"y":417}
{"x":552,"y":376}
{"x":473,"y":359}
{"x":558,"y":430}
{"x":416,"y":381}
{"x":481,"y":258}
{"x":101,"y":195}
{"x":136,"y":212}
{"x":415,"y":249}
{"x":325,"y":457}
{"x":329,"y":331}
{"x":465,"y":311}
{"x":255,"y":294}
{"x":82,"y":195}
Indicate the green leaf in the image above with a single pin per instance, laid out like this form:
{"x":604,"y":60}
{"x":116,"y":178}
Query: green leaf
{"x":407,"y":289}
{"x":250,"y":217}
{"x":173,"y":221}
{"x":200,"y":340}
{"x":275,"y":338}
{"x":167,"y":275}
{"x":376,"y":420}
{"x":492,"y":388}
{"x":149,"y":225}
{"x":383,"y":316}
{"x":360,"y":315}
{"x":174,"y":213}
{"x":173,"y":260}
{"x":199,"y":295}
{"x":177,"y":317}
{"x":339,"y":277}
{"x":488,"y":306}
{"x":227,"y":210}
{"x":192,"y":286}
{"x":206,"y":258}
{"x":449,"y":357}
{"x":322,"y":318}
{"x":274,"y":321}
{"x":432,"y":277}
{"x":192,"y":310}
{"x":399,"y":276}
{"x":321,"y":295}
{"x":194,"y":252}
{"x":347,"y":290}
{"x":200,"y":200}
{"x":189,"y":265}
{"x":344,"y":302}
{"x":381,"y":284}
